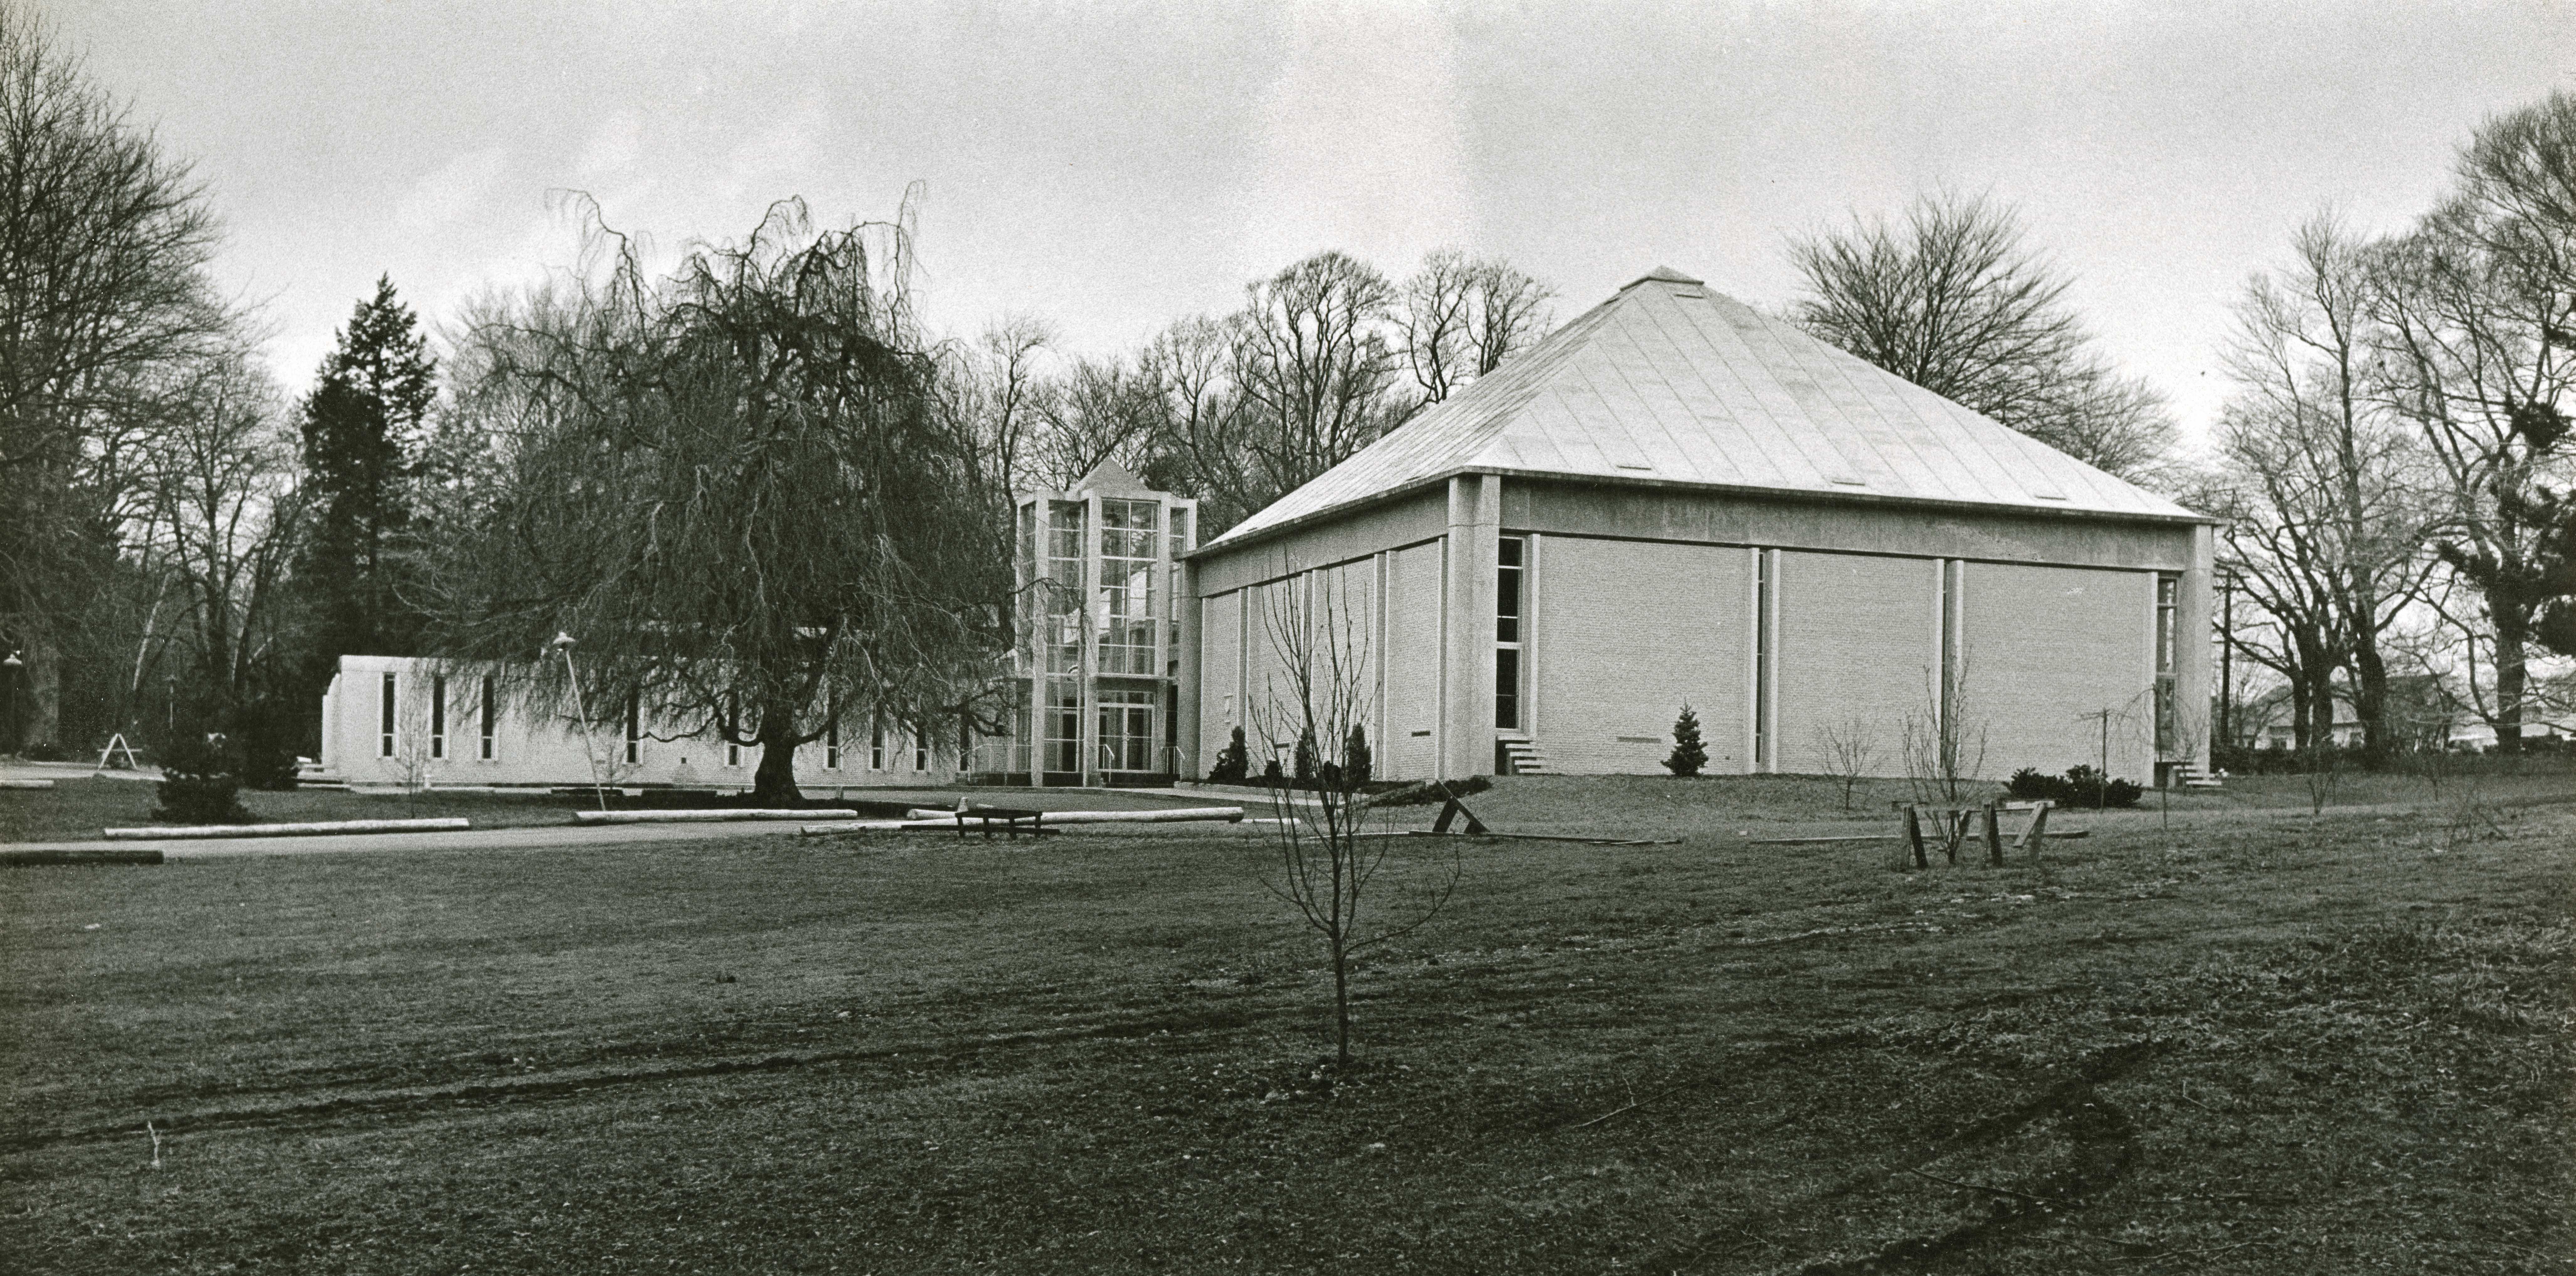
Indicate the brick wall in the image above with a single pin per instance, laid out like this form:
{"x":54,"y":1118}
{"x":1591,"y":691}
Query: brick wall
{"x":1623,"y":633}
{"x":1412,"y":697}
{"x":1858,"y":642}
{"x":1220,"y":674}
{"x":2045,"y":644}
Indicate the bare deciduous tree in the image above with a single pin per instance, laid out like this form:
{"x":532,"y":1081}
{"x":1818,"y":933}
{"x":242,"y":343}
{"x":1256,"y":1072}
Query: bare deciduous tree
{"x":2478,"y":305}
{"x":104,"y":306}
{"x":740,"y":494}
{"x":1945,"y":742}
{"x":1315,"y":370}
{"x":2335,"y":516}
{"x":1463,"y":315}
{"x":1950,"y":298}
{"x":990,"y":390}
{"x":222,"y":520}
{"x":1850,"y":748}
{"x":1099,"y":409}
{"x":1322,"y":862}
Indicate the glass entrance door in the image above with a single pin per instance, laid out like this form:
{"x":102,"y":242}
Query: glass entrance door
{"x":1126,"y":730}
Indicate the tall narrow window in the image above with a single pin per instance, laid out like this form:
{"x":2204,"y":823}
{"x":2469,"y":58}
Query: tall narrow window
{"x":1062,"y":623}
{"x":921,"y":746}
{"x":876,"y":744}
{"x":832,"y":744}
{"x":2168,"y":612}
{"x":634,"y":729}
{"x":438,"y":715}
{"x":1180,"y":544}
{"x":1766,"y":589}
{"x":385,"y":718}
{"x":732,"y":726}
{"x":490,"y":720}
{"x":1507,"y":634}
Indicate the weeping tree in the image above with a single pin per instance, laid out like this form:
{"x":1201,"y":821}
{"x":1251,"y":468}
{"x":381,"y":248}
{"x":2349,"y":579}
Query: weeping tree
{"x":733,"y":486}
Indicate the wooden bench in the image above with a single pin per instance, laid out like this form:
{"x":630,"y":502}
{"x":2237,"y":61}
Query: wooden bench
{"x":1011,"y":819}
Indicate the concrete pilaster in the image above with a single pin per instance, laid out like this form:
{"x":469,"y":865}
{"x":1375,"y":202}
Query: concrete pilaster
{"x":2194,"y":679}
{"x":1185,"y":741}
{"x":1467,"y":626}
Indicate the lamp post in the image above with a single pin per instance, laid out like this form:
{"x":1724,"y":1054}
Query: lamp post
{"x":563,"y":642}
{"x":9,"y":716}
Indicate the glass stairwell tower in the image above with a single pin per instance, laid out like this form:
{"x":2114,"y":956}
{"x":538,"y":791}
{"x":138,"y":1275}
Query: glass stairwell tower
{"x":1096,"y":663}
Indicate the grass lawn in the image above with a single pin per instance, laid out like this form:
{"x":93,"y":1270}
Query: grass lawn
{"x":2231,"y":1038}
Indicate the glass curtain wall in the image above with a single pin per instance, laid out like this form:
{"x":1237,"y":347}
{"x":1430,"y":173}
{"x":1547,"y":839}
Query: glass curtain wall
{"x":1062,"y":636}
{"x":1127,"y":614}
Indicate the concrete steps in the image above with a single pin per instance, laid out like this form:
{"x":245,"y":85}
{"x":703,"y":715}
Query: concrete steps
{"x":2192,"y":777}
{"x":1526,"y":758}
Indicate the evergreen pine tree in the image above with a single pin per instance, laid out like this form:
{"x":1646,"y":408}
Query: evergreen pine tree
{"x":1689,"y":755}
{"x":1233,"y":763}
{"x":1306,"y":758}
{"x":363,"y":430}
{"x":1356,"y":762}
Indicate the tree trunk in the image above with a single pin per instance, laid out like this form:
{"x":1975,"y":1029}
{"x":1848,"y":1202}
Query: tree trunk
{"x":40,"y":695}
{"x":2370,"y":698}
{"x":2299,"y":711}
{"x":774,"y":784}
{"x":2321,"y":705}
{"x":1342,"y":1006}
{"x":2511,"y":659}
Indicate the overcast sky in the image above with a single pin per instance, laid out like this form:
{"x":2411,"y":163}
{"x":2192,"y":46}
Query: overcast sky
{"x":1111,"y":167}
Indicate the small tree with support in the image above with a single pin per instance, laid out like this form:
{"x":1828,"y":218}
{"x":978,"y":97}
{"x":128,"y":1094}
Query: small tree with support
{"x":1321,"y":862}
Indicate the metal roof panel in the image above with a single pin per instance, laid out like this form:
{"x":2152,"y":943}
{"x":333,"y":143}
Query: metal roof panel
{"x":1672,"y":382}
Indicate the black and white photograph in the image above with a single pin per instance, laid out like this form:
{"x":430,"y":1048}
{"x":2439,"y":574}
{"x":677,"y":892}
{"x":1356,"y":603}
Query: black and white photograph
{"x":1798,"y":638}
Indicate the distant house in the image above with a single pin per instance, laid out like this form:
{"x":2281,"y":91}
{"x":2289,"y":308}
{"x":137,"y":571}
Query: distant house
{"x":2423,"y":712}
{"x":1677,"y":499}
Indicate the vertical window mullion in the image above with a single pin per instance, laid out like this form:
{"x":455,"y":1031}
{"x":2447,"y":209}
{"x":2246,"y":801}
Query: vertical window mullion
{"x":1508,"y":622}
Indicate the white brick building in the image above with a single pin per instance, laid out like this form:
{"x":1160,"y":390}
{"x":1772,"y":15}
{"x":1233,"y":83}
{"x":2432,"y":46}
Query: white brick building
{"x":1676,"y":499}
{"x":398,"y":720}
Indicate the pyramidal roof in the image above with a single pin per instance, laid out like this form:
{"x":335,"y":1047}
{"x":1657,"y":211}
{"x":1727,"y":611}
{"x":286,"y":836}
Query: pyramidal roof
{"x":1668,"y":383}
{"x":1111,"y":478}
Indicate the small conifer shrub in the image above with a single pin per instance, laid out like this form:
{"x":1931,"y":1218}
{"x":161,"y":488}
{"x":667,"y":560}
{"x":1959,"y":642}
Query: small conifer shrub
{"x":1356,"y":762}
{"x":1689,"y":754}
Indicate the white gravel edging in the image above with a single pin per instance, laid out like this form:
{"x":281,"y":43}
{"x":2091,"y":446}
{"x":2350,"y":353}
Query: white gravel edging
{"x":1174,"y":815}
{"x":707,"y":817}
{"x":446,"y":825}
